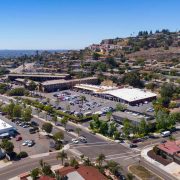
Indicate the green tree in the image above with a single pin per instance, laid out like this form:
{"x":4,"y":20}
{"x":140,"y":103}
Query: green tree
{"x":112,"y":129}
{"x":54,"y":119}
{"x":74,"y":163}
{"x":27,"y":114}
{"x":113,"y":166}
{"x":45,"y":169}
{"x":58,"y":136}
{"x":64,"y":121}
{"x":48,"y":109}
{"x":143,"y":128}
{"x":61,"y":155}
{"x":17,"y":111}
{"x":32,"y":86}
{"x":120,"y":107}
{"x":96,"y":56}
{"x":78,"y":130}
{"x":100,"y":159}
{"x":47,"y":127}
{"x":34,"y":173}
{"x":127,"y":127}
{"x":108,"y":115}
{"x":9,"y":109}
{"x":103,"y":128}
{"x":7,"y":146}
{"x":167,"y":90}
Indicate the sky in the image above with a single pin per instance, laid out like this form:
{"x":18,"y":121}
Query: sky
{"x":75,"y":24}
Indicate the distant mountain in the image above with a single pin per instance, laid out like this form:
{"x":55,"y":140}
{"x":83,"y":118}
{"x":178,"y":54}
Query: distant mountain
{"x":18,"y":53}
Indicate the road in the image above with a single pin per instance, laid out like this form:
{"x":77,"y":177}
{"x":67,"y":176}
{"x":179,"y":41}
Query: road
{"x":96,"y":145}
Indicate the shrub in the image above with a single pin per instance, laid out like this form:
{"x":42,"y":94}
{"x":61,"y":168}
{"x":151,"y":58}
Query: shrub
{"x":66,"y":164}
{"x":22,"y":154}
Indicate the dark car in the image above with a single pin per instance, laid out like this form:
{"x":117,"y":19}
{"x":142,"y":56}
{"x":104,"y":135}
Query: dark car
{"x":69,"y":130}
{"x":132,"y":145}
{"x":33,"y":123}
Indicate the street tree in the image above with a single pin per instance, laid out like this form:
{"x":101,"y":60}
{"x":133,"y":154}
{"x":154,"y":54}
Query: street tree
{"x":47,"y":127}
{"x":61,"y":155}
{"x":64,"y":121}
{"x":113,"y":166}
{"x":100,"y":159}
{"x":35,"y":173}
{"x":58,"y":136}
{"x":54,"y":119}
{"x":78,"y":130}
{"x":127,"y":127}
{"x":74,"y":163}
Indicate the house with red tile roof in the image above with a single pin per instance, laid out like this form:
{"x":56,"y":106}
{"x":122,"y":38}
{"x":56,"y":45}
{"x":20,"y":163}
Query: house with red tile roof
{"x":170,"y":150}
{"x":81,"y":173}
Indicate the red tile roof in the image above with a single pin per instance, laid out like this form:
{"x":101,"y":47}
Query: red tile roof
{"x":170,"y":147}
{"x":46,"y":178}
{"x":87,"y":172}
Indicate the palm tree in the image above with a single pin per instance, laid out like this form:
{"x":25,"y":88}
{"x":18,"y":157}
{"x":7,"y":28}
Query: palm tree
{"x":78,"y":130}
{"x":62,"y":155}
{"x":100,"y":159}
{"x":87,"y":162}
{"x":82,"y":157}
{"x":34,"y":173}
{"x":74,"y":163}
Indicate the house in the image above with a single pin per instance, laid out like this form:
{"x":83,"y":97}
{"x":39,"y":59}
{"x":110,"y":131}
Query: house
{"x":170,"y":150}
{"x":81,"y":173}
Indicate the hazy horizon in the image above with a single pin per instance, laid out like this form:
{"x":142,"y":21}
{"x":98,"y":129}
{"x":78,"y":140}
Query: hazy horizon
{"x":69,"y":24}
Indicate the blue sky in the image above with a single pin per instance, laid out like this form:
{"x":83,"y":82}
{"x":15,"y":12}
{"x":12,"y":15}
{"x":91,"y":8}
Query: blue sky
{"x":74,"y":24}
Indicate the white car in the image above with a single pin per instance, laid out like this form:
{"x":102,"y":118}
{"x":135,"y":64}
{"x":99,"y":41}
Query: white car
{"x":75,"y":141}
{"x":25,"y":143}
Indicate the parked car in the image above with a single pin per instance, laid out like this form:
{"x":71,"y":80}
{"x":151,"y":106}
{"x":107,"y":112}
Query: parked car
{"x":132,"y":145}
{"x":18,"y":138}
{"x":25,"y":143}
{"x":31,"y":143}
{"x":33,"y":123}
{"x":75,"y":141}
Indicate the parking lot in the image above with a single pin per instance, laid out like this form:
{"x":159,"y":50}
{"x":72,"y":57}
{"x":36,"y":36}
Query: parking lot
{"x":41,"y":142}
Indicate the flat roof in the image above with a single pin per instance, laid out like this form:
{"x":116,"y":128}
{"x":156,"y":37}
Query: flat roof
{"x":132,"y":116}
{"x":95,"y":88}
{"x":130,"y":94}
{"x":38,"y":75}
{"x":4,"y":125}
{"x":59,"y":81}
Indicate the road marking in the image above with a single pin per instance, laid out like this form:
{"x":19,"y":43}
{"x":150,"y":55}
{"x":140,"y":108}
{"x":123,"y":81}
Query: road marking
{"x":90,"y":143}
{"x":93,"y":145}
{"x":25,"y":165}
{"x":119,"y":157}
{"x":132,"y":157}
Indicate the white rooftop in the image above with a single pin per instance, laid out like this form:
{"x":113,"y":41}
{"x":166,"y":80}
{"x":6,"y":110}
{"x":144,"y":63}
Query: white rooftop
{"x":95,"y":88}
{"x":130,"y":94}
{"x":4,"y":125}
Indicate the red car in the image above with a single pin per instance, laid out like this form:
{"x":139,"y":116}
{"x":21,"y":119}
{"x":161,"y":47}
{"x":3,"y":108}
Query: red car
{"x":18,"y":138}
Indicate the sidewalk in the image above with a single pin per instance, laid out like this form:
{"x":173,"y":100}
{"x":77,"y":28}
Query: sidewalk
{"x":172,"y":169}
{"x":66,"y":147}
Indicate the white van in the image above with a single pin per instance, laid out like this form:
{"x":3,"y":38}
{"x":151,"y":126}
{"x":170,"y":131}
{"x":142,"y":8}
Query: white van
{"x":165,"y":133}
